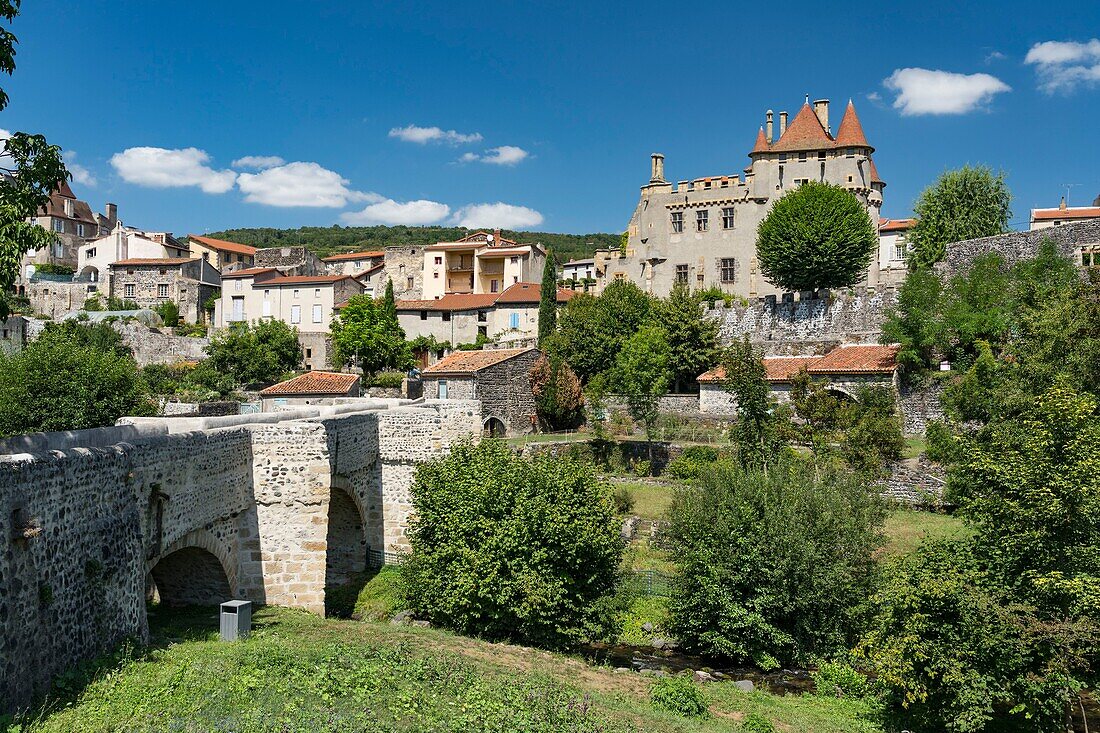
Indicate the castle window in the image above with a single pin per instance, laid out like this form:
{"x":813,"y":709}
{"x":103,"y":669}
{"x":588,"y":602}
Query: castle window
{"x":727,"y":217}
{"x":129,"y":290}
{"x":423,"y":315}
{"x":681,"y":273}
{"x":782,"y":157}
{"x":801,"y":157}
{"x":677,"y":222}
{"x":849,"y":152}
{"x":439,"y":260}
{"x":821,"y":155}
{"x":620,"y":276}
{"x":727,"y":268}
{"x":58,"y":225}
{"x":702,"y":220}
{"x":410,"y":283}
{"x":800,"y":181}
{"x":446,"y":315}
{"x":162,"y":290}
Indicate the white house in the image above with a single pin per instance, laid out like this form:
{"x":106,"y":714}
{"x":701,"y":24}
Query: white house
{"x":126,"y":243}
{"x":479,"y":263}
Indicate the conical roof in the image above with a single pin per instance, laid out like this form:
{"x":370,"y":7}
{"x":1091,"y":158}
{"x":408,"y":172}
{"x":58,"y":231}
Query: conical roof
{"x":804,"y":133}
{"x":761,"y":145}
{"x":850,"y":133}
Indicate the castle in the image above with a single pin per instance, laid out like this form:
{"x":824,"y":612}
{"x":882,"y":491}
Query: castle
{"x":703,"y":232}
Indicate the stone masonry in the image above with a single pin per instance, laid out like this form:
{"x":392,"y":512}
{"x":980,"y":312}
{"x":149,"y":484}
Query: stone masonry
{"x":195,"y":509}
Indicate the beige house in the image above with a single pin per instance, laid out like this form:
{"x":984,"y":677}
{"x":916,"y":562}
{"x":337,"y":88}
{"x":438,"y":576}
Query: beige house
{"x":311,"y":388}
{"x":479,"y":263}
{"x":1046,"y":218}
{"x":354,"y":263}
{"x":126,"y":243}
{"x":893,"y":248}
{"x":221,"y":254}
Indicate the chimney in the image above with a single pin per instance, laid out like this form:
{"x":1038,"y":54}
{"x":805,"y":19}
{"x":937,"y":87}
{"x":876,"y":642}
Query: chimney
{"x":657,"y":168}
{"x":1062,"y":205}
{"x":769,"y":118}
{"x":496,"y":236}
{"x":782,"y":123}
{"x":821,"y":109}
{"x":112,"y":215}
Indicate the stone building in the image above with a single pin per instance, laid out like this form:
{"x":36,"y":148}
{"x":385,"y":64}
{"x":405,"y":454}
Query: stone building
{"x":404,"y":265}
{"x":73,"y":221}
{"x":223,"y":255}
{"x":893,"y":248}
{"x":311,"y":388}
{"x":297,"y":260}
{"x":479,"y":263}
{"x":151,"y":282}
{"x":498,"y":378}
{"x":354,"y":263}
{"x":125,"y":243}
{"x":703,"y":232}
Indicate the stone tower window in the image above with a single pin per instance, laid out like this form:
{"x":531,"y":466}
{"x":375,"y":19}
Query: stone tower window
{"x":727,"y":217}
{"x":727,"y":269}
{"x":681,"y":273}
{"x":801,"y":157}
{"x":677,"y":222}
{"x":702,"y":220}
{"x":849,"y":152}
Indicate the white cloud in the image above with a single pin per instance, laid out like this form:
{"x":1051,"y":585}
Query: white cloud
{"x":165,"y":168}
{"x":425,"y":135}
{"x":410,"y":213}
{"x":504,"y":155}
{"x":299,"y":184}
{"x":994,"y":56}
{"x":1063,"y":65}
{"x":259,"y":162}
{"x":935,"y":92}
{"x":80,"y":174}
{"x":504,"y":216}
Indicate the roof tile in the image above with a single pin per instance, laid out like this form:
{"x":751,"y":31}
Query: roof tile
{"x":222,"y":245}
{"x":336,"y":383}
{"x":470,"y":362}
{"x":858,"y":359}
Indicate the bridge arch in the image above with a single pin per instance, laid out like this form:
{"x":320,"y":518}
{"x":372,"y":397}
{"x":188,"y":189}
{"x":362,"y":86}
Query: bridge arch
{"x":494,"y":427}
{"x":194,"y":570}
{"x":345,"y":539}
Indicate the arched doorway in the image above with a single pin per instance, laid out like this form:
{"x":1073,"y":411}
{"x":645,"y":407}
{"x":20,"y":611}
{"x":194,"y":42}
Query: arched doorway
{"x":190,"y":576}
{"x":346,"y":556}
{"x":89,"y":274}
{"x":494,"y":428}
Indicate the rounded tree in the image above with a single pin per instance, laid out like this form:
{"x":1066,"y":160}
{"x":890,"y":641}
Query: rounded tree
{"x":962,"y":204}
{"x":816,"y":236}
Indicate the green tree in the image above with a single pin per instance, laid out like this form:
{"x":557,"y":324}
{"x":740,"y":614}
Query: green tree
{"x":914,"y":323}
{"x":169,"y":312}
{"x":57,"y":384}
{"x":773,"y":566}
{"x":592,"y":330}
{"x":559,"y":400}
{"x":548,"y":300}
{"x":977,"y":306}
{"x":642,"y":375}
{"x":98,"y":336}
{"x":254,"y":353}
{"x":512,"y":548}
{"x":367,"y":334}
{"x":389,"y":305}
{"x":816,"y":236}
{"x":962,"y":204}
{"x":755,"y":433}
{"x":692,"y":339}
{"x":32,"y":171}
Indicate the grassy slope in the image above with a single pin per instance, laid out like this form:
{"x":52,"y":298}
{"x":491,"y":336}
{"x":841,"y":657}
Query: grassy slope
{"x":301,"y":673}
{"x":906,"y":529}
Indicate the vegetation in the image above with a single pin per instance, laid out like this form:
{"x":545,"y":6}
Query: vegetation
{"x":548,"y":300}
{"x":254,"y":353}
{"x":774,"y":564}
{"x":73,"y":376}
{"x":592,"y":331}
{"x":169,"y":312}
{"x":962,"y":204}
{"x":327,"y":241}
{"x":756,"y":432}
{"x":693,"y":342}
{"x":367,"y":334}
{"x":559,"y":401}
{"x":32,"y":169}
{"x":641,"y":375}
{"x":512,"y":548}
{"x":816,"y":236}
{"x":680,"y":695}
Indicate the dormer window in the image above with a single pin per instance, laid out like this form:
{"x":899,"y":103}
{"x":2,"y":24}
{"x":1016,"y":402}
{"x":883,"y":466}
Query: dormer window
{"x":849,"y":152}
{"x":801,"y":157}
{"x":69,"y":207}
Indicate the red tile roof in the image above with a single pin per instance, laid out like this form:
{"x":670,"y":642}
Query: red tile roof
{"x":247,"y":272}
{"x":470,"y":362}
{"x":223,"y":246}
{"x":850,"y":133}
{"x":370,"y":254}
{"x":875,"y":178}
{"x":896,"y":225}
{"x":776,"y":369}
{"x":514,"y":294}
{"x":804,"y":133}
{"x":152,"y":261}
{"x":858,"y":359}
{"x":314,"y":383}
{"x":1077,"y":212}
{"x":761,"y":145}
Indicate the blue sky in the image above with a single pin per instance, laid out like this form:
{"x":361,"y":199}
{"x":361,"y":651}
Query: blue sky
{"x":546,"y":113}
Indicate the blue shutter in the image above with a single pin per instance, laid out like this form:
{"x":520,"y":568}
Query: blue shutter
{"x":514,"y":320}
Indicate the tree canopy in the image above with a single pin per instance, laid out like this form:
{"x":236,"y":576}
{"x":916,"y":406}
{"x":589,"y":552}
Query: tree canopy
{"x":816,"y":236}
{"x":255,"y":353}
{"x":962,"y":204}
{"x":548,"y":300}
{"x":693,"y":340}
{"x":642,"y":374}
{"x":367,"y":334}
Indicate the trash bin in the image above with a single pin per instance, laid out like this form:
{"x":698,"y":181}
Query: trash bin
{"x":236,"y":620}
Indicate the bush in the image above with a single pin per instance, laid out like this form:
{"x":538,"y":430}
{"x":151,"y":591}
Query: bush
{"x":559,"y":400}
{"x":169,"y":312}
{"x":757,"y":723}
{"x":834,"y":679}
{"x":196,"y":330}
{"x":513,"y":548}
{"x":679,"y":695}
{"x":642,"y":469}
{"x":689,"y":464}
{"x":624,"y":500}
{"x":258,"y":353}
{"x":387,"y":380}
{"x":774,"y":565}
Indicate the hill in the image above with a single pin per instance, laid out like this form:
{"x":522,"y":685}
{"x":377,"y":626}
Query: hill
{"x":326,"y":241}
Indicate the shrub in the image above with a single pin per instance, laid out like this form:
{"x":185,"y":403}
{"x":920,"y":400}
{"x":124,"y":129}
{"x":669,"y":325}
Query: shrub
{"x":689,"y":464}
{"x":512,"y":548}
{"x":835,"y":679}
{"x":169,"y":312}
{"x":775,"y":564}
{"x":196,"y":330}
{"x":642,"y":468}
{"x":757,"y":723}
{"x":679,"y":695}
{"x":559,"y":400}
{"x":257,"y":353}
{"x":387,"y":380}
{"x":624,"y":500}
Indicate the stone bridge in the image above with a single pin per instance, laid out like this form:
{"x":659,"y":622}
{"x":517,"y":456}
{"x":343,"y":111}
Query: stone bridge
{"x":269,"y":508}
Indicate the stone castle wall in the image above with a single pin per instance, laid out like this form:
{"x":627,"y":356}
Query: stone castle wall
{"x":156,"y":346}
{"x":1016,"y":246}
{"x":84,"y":528}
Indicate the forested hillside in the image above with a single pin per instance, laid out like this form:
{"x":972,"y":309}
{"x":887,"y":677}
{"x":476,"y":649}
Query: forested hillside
{"x":331,"y":240}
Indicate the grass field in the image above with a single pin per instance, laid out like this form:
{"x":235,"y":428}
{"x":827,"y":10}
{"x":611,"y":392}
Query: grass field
{"x":300,"y":673}
{"x":906,"y":529}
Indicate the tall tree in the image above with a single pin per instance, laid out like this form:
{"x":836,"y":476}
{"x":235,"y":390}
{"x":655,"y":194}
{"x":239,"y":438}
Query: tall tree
{"x":593,"y":329}
{"x":915,"y":322}
{"x":816,"y":236}
{"x":962,"y":204}
{"x":693,"y":339}
{"x":34,"y":171}
{"x":255,"y":353}
{"x":754,"y":433}
{"x":366,"y":334}
{"x":642,"y":375}
{"x":389,"y":304}
{"x":548,"y":299}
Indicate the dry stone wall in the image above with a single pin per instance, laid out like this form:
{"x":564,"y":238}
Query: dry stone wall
{"x":1015,"y":246}
{"x":238,"y":506}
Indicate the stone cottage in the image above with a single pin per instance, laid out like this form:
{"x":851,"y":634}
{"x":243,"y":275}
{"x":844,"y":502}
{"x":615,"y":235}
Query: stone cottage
{"x":498,"y":378}
{"x":311,"y":388}
{"x":151,"y":282}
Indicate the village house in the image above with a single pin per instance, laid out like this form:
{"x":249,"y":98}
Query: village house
{"x":223,"y":255}
{"x":702,"y":232}
{"x":846,"y":369}
{"x":479,"y":263}
{"x":498,"y":378}
{"x":73,"y":221}
{"x":150,"y":282}
{"x":311,"y":388}
{"x":354,"y":263}
{"x":126,"y":243}
{"x":305,"y":302}
{"x":577,"y":274}
{"x":1046,"y":218}
{"x":893,"y":248}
